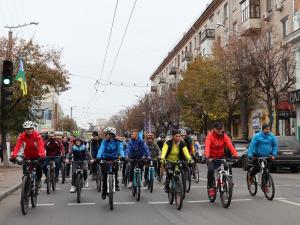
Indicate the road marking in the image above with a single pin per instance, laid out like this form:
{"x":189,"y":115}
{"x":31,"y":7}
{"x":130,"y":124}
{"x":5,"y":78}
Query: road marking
{"x":44,"y":189}
{"x":241,"y":200}
{"x":124,"y":203}
{"x":289,"y":202}
{"x":50,"y":204}
{"x":199,"y":201}
{"x":198,"y":186}
{"x":84,"y":203}
{"x":153,"y":203}
{"x":280,"y":198}
{"x":202,"y":178}
{"x":87,"y":188}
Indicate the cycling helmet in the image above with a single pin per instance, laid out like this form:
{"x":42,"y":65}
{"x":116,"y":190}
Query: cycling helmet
{"x":59,"y":133}
{"x":28,"y":124}
{"x":182,"y":132}
{"x":76,"y":133}
{"x":162,"y":136}
{"x":110,"y":130}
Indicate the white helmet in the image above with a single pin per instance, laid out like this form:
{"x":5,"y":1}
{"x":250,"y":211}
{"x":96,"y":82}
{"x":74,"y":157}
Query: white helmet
{"x":28,"y":124}
{"x":183,"y":132}
{"x":110,"y":130}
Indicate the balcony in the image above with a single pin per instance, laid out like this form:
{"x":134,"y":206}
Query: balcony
{"x":173,"y":86}
{"x":173,"y":70}
{"x":162,"y":80}
{"x":251,"y":26}
{"x":208,"y":34}
{"x":188,"y":56}
{"x":293,"y":37}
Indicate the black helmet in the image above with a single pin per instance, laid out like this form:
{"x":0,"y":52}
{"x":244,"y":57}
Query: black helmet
{"x":95,"y":133}
{"x":162,"y":135}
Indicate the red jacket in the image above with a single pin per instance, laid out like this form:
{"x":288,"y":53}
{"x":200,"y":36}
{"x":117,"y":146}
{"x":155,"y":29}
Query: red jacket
{"x":215,"y":145}
{"x":54,"y":148}
{"x":33,"y":146}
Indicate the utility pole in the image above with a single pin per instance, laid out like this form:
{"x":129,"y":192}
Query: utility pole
{"x":72,"y":107}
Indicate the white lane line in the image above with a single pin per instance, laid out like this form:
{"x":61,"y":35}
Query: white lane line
{"x":124,"y":203}
{"x":202,"y":178}
{"x":153,"y":203}
{"x":241,"y":200}
{"x":84,"y":203}
{"x":280,"y":198}
{"x":50,"y":204}
{"x":44,"y":189}
{"x":289,"y":202}
{"x":198,"y":186}
{"x":199,"y":201}
{"x":87,"y":188}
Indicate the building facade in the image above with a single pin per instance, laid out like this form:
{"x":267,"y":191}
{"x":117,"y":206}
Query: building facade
{"x":220,"y":19}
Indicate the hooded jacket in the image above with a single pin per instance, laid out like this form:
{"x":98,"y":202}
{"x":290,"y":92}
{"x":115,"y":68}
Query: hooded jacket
{"x":137,"y":149}
{"x":263,"y":145}
{"x":111,"y":149}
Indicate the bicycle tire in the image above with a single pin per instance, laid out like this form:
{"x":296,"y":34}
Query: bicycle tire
{"x":252,"y":188}
{"x":212,"y":199}
{"x":272,"y":186}
{"x":53,"y":182}
{"x":98,"y":179}
{"x":151,"y":180}
{"x":182,"y":172}
{"x":188,"y":179}
{"x":33,"y":194}
{"x":138,"y":187}
{"x":197,"y":173}
{"x":178,"y":193}
{"x":111,"y":193}
{"x":24,"y":195}
{"x":228,"y":189}
{"x":48,"y":182}
{"x":63,"y":173}
{"x":78,"y":187}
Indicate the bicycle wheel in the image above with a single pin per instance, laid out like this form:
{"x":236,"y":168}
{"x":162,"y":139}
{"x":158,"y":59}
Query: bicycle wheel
{"x":138,"y":187}
{"x":53,"y":182}
{"x":25,"y":195}
{"x":63,"y":173}
{"x":33,"y":193}
{"x":182,"y":172}
{"x":188,"y":177}
{"x":151,"y":180}
{"x":171,"y":192}
{"x":98,"y":179}
{"x":111,"y":192}
{"x":252,"y":186}
{"x":178,"y":193}
{"x":225,"y":189}
{"x":48,"y":181}
{"x":268,"y":187}
{"x":78,"y":187}
{"x":196,"y":173}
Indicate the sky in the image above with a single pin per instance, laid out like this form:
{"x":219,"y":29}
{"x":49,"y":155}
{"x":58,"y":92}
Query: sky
{"x":81,"y":29}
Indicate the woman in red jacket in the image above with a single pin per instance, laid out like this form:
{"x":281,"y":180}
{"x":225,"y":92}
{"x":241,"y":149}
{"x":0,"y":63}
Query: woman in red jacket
{"x":215,"y":144}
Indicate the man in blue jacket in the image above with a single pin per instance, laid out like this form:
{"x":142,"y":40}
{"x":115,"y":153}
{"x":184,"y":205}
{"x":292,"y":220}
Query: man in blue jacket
{"x":136,"y":149}
{"x":110,"y":150}
{"x":94,"y":148}
{"x":263,"y":144}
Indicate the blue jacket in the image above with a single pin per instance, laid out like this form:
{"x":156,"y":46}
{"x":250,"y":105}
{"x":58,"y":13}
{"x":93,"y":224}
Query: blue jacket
{"x":79,"y":153}
{"x":263,"y":145}
{"x":110,"y":149}
{"x":137,"y":149}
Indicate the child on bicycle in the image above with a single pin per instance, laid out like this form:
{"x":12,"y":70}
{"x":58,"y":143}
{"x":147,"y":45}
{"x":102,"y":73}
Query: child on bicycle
{"x":80,"y":154}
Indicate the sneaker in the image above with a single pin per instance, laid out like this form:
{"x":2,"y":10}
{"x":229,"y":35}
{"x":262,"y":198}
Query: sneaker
{"x":56,"y":179}
{"x":211,"y":192}
{"x":103,"y":196}
{"x":86,"y":184}
{"x":159,"y":179}
{"x":117,"y":188}
{"x":130,"y":185}
{"x":145,"y":183}
{"x":250,"y":180}
{"x":166,"y":188}
{"x":73,"y":189}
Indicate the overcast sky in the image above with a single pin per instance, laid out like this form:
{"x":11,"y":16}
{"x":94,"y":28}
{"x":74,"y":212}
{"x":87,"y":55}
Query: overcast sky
{"x":81,"y":29}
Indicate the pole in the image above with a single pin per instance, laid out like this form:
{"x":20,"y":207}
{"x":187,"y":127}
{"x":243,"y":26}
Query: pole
{"x":10,"y":45}
{"x":71,"y":112}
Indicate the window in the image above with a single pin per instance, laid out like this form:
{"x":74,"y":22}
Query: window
{"x":178,"y":61}
{"x":254,"y":8}
{"x":245,"y":11}
{"x":284,"y":22}
{"x":234,"y":4}
{"x":225,"y":11}
{"x":270,"y":38}
{"x":234,"y":27}
{"x":285,"y":70}
{"x":269,"y":5}
{"x":190,"y":46}
{"x":199,"y":37}
{"x":219,"y":17}
{"x":195,"y":42}
{"x":226,"y":37}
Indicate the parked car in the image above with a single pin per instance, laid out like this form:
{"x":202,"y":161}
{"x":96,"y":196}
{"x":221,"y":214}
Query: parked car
{"x":288,"y":155}
{"x":241,"y":147}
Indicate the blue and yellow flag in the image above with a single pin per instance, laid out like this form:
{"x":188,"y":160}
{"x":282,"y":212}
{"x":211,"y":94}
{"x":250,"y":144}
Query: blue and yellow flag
{"x":22,"y":79}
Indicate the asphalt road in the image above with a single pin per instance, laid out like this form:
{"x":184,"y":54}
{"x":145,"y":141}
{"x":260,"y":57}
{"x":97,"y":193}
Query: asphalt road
{"x":61,"y":208}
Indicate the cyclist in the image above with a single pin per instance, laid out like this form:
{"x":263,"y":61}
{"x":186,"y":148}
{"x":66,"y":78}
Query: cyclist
{"x":54,"y":151}
{"x":110,"y":150}
{"x":32,"y":143}
{"x":94,"y":147}
{"x":173,"y":151}
{"x":215,"y":144}
{"x":161,"y":141}
{"x":66,"y":145}
{"x":125,"y":143}
{"x":155,"y":154}
{"x":79,"y":153}
{"x":188,"y":140}
{"x":263,"y":144}
{"x":136,"y":149}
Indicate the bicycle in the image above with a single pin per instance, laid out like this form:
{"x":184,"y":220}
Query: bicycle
{"x":137,"y":179}
{"x":195,"y":172}
{"x":186,"y":177}
{"x":29,"y":186}
{"x":125,"y":178}
{"x":79,"y":179}
{"x":151,"y":176}
{"x":63,"y":170}
{"x":222,"y":183}
{"x":176,"y":186}
{"x":51,"y":177}
{"x":264,"y":178}
{"x":111,"y":183}
{"x":99,"y":178}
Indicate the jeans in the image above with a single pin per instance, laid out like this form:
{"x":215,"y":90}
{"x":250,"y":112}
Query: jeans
{"x":57,"y":160}
{"x":75,"y":165}
{"x":211,"y":166}
{"x":105,"y":168}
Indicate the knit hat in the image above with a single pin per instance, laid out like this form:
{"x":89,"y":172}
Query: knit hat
{"x":264,"y":126}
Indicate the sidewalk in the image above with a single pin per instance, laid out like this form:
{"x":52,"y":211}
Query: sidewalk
{"x":10,"y":180}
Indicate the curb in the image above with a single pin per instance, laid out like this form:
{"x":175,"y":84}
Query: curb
{"x":9,"y":191}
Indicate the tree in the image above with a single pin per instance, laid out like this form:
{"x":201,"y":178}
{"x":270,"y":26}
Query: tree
{"x":67,"y":124}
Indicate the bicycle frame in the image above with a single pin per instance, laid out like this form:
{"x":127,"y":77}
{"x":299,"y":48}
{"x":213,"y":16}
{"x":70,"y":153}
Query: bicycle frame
{"x":110,"y":173}
{"x":263,"y":169}
{"x":220,"y":172}
{"x":151,"y":172}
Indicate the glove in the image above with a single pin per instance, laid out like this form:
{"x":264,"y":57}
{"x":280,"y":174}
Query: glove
{"x":162,"y":161}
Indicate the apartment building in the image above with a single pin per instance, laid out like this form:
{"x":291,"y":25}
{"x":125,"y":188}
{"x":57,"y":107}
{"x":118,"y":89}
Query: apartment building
{"x":219,"y":20}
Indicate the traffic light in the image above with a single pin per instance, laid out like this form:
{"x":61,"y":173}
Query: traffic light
{"x":6,"y":85}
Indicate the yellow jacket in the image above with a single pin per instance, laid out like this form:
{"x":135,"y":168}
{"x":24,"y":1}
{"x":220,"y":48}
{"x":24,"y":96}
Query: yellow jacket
{"x":174,"y":154}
